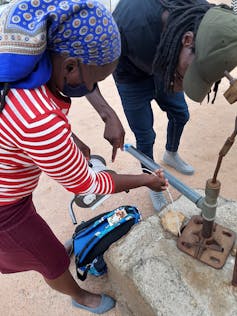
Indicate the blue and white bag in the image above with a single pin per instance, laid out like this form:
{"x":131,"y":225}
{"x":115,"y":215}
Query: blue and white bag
{"x":93,"y":237}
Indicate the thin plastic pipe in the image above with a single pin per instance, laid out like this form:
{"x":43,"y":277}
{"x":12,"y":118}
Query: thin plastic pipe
{"x":177,"y":184}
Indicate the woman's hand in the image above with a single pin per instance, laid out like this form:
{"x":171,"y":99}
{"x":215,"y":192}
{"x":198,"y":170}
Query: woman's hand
{"x":158,"y":182}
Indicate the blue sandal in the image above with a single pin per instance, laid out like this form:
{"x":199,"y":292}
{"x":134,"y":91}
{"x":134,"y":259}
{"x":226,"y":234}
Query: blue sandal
{"x":106,"y":304}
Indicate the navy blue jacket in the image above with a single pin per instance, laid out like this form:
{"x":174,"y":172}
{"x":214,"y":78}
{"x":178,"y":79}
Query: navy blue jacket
{"x":140,"y":26}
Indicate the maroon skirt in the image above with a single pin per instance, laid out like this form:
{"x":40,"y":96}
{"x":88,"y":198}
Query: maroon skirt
{"x":28,"y":243}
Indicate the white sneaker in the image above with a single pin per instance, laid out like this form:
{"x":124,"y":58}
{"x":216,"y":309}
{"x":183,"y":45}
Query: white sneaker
{"x":158,"y":200}
{"x":173,"y":159}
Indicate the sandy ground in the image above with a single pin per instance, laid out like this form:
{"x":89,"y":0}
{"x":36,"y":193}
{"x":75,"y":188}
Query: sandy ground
{"x":26,"y":294}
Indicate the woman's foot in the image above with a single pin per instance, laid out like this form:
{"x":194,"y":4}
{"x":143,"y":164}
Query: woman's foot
{"x":94,"y":303}
{"x":97,"y":304}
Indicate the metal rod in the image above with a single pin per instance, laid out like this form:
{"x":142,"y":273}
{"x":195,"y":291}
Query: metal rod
{"x":207,"y":228}
{"x":224,"y":150}
{"x":209,"y":206}
{"x":218,"y":165}
{"x":177,"y":184}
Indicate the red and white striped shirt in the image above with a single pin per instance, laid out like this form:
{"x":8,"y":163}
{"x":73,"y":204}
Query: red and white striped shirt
{"x":35,"y":136}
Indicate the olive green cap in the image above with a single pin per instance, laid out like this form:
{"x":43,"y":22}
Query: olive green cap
{"x":215,"y":52}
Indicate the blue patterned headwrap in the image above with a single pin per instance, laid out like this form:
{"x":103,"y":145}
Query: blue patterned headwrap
{"x":30,"y":29}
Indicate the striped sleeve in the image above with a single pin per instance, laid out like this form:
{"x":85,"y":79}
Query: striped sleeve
{"x":46,"y":139}
{"x":52,"y":148}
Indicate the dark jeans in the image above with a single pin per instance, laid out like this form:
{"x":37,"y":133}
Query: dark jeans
{"x":136,"y":100}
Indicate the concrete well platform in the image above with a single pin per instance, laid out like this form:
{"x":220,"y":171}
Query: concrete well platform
{"x":151,"y":276}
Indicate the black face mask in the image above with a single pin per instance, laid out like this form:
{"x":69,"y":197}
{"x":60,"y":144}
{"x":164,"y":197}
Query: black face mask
{"x":78,"y":91}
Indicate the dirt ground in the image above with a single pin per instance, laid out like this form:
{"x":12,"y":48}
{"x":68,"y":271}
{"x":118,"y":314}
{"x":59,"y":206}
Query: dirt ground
{"x":26,"y":294}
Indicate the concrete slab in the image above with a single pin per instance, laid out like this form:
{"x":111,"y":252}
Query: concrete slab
{"x":151,"y":276}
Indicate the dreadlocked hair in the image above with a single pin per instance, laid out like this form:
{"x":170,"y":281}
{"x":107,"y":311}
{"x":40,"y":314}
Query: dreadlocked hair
{"x":183,"y":16}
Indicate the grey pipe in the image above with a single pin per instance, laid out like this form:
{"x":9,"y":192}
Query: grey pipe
{"x":177,"y":184}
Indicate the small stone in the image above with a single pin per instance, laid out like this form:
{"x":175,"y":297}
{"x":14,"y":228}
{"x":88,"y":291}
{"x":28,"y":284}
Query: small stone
{"x":194,"y":303}
{"x":172,"y":221}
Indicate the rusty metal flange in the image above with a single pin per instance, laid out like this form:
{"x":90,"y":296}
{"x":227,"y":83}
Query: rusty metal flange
{"x":212,"y":251}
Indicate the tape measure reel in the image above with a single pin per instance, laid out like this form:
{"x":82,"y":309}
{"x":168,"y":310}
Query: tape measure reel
{"x":97,"y":163}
